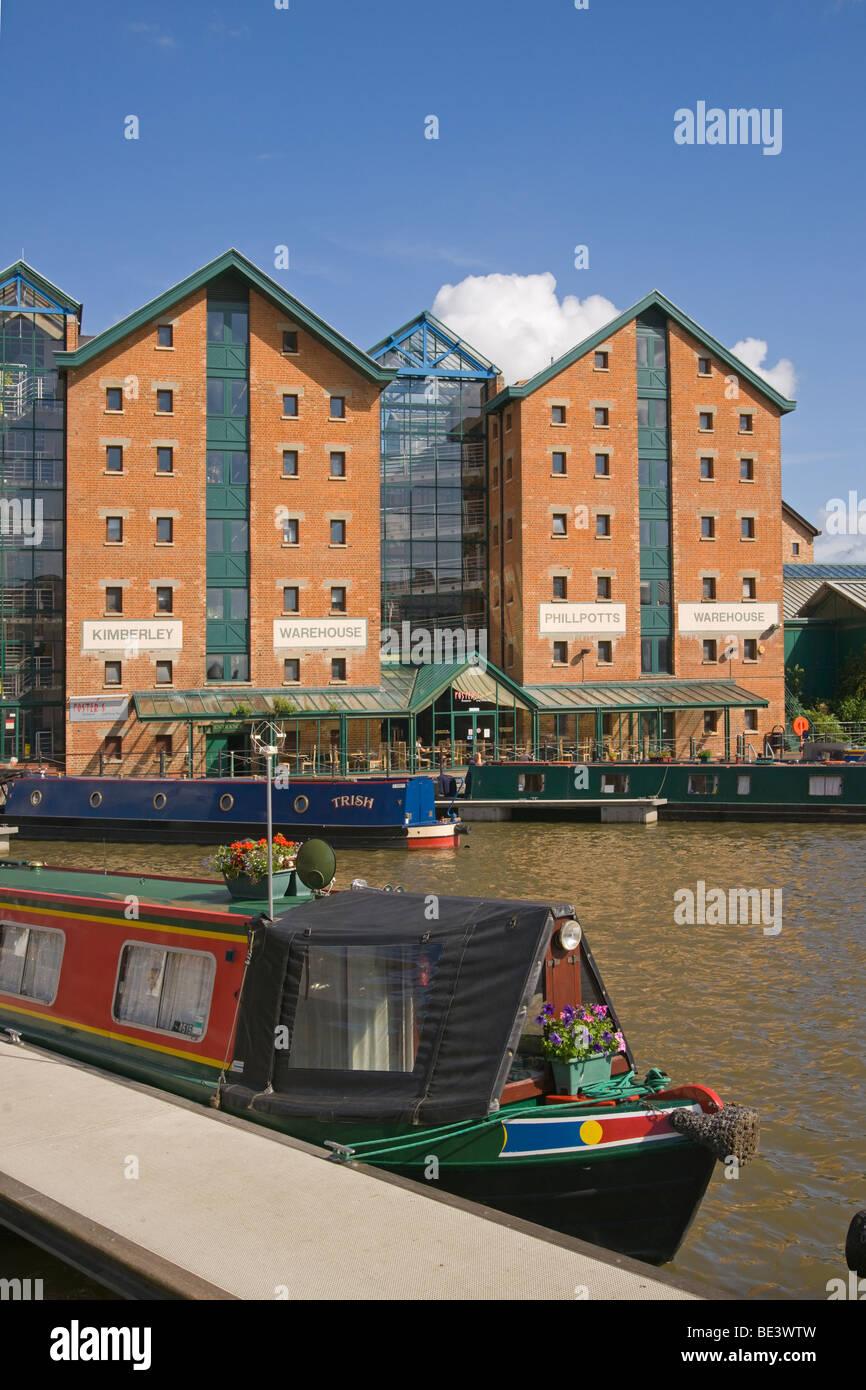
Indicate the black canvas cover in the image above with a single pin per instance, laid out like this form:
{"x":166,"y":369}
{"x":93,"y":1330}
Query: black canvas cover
{"x":321,"y":984}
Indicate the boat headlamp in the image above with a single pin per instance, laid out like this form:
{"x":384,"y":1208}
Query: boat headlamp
{"x":569,"y":934}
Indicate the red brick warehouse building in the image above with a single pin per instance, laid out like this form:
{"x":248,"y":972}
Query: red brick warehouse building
{"x":636,"y":539}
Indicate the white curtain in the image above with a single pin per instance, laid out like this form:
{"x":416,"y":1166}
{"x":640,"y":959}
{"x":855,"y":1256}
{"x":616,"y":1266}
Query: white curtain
{"x":140,"y":985}
{"x":186,"y":992}
{"x":42,"y":969}
{"x":13,"y":952}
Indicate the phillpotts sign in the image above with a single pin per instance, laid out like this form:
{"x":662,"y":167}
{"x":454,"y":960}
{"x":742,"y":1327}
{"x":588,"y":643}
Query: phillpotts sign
{"x":727,"y":617}
{"x":111,"y":636}
{"x":319,"y":632}
{"x":571,"y":619}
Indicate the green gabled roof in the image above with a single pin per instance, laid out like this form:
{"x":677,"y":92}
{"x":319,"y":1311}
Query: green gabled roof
{"x":432,"y":679}
{"x":257,"y":279}
{"x":654,"y":300}
{"x":637,"y":695}
{"x":39,"y":282}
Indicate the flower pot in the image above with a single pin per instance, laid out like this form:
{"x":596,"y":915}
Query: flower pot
{"x":245,"y":890}
{"x":570,"y":1077}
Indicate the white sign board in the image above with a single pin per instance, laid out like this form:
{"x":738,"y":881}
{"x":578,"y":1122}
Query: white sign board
{"x":113,"y":635}
{"x":727,"y":618}
{"x":291,"y":633}
{"x":571,"y":619}
{"x":98,"y":709}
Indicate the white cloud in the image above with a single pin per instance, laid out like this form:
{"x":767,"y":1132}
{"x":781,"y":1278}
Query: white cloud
{"x":782,"y":377}
{"x":845,"y":549}
{"x":518,"y":321}
{"x":153,"y":34}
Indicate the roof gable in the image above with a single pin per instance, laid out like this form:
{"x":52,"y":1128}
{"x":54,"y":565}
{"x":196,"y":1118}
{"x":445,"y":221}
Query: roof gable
{"x":425,"y":344}
{"x":654,"y":300}
{"x":256,"y":279}
{"x":58,"y":301}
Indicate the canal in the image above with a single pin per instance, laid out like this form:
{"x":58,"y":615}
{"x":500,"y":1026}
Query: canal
{"x":768,"y":1014}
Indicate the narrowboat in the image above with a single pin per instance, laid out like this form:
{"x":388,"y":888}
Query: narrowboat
{"x":368,"y":811}
{"x":766,"y":789}
{"x":397,"y":1029}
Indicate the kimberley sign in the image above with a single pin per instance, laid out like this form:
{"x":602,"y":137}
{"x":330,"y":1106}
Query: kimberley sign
{"x":112,"y":636}
{"x":727,"y":617}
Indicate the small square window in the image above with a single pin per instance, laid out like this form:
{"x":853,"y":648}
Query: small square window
{"x":602,"y":524}
{"x":795,"y":547}
{"x":709,"y":649}
{"x":291,"y":531}
{"x":601,"y":361}
{"x":705,"y":420}
{"x":290,"y":340}
{"x":165,"y":402}
{"x":601,"y":415}
{"x":291,"y":596}
{"x":747,"y":528}
{"x":338,"y":598}
{"x":290,"y":463}
{"x":704,"y":367}
{"x":509,"y":654}
{"x":750,"y":649}
{"x":495,"y":476}
{"x":605,"y":653}
{"x":509,"y":528}
{"x":290,"y":406}
{"x":507,"y":421}
{"x":750,"y":588}
{"x":165,"y":460}
{"x":112,"y":747}
{"x":291,"y":669}
{"x":746,"y":424}
{"x":708,"y":587}
{"x":708,"y":527}
{"x":163,"y":673}
{"x":114,"y":599}
{"x":558,"y":463}
{"x":560,"y":586}
{"x":165,"y":530}
{"x":338,"y":533}
{"x":750,"y":720}
{"x":163,"y":743}
{"x":711,"y":721}
{"x":114,"y":398}
{"x":114,"y":529}
{"x":557,"y":415}
{"x":747,"y":470}
{"x":165,"y":335}
{"x":560,"y":523}
{"x":602,"y":586}
{"x":164,"y":598}
{"x":560,"y":653}
{"x":338,"y":407}
{"x":495,"y":536}
{"x":114,"y":458}
{"x":338,"y":668}
{"x":602,"y":465}
{"x":508,"y":468}
{"x":113,"y":671}
{"x":708,"y":468}
{"x":338,"y":465}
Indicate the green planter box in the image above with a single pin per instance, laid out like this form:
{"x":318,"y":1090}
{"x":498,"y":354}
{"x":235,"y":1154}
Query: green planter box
{"x":570,"y":1077}
{"x":245,"y":890}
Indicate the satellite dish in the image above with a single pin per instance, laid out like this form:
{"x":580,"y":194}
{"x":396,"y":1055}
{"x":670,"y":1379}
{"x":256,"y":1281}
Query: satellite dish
{"x":316,"y":864}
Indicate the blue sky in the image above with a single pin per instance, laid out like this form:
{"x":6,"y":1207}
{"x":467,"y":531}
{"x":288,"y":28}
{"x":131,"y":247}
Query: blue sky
{"x":305,"y":127}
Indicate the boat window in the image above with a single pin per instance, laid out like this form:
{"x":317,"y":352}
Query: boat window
{"x":825,"y":786}
{"x":30,"y":961}
{"x":703,"y":784}
{"x":166,"y":989}
{"x":530,"y":781}
{"x":361,"y":1008}
{"x":615,"y":782}
{"x":744,"y":786}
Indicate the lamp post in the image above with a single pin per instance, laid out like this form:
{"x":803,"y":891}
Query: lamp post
{"x":269,"y":750}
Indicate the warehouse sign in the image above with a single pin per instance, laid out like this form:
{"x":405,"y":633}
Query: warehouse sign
{"x":727,"y":617}
{"x":584,"y":619}
{"x":112,"y":636}
{"x":100,"y":709}
{"x":291,"y":633}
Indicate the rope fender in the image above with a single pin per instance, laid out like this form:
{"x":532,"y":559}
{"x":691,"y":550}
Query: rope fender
{"x":732,"y":1133}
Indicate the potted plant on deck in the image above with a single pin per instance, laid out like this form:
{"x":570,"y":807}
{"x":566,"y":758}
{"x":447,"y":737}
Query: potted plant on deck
{"x":244,"y":866}
{"x":580,"y":1045}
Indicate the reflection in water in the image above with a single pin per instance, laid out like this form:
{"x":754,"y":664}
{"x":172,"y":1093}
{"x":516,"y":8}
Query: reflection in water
{"x":771,"y":1021}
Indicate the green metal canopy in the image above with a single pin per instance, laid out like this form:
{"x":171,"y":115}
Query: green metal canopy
{"x":638,"y":695}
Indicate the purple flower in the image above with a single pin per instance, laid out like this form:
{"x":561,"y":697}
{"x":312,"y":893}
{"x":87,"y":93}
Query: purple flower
{"x":606,"y":1036}
{"x":582,"y":1015}
{"x":539,"y":1018}
{"x":547,"y":1010}
{"x":597,"y":1047}
{"x":568,"y":1013}
{"x":556,"y":1040}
